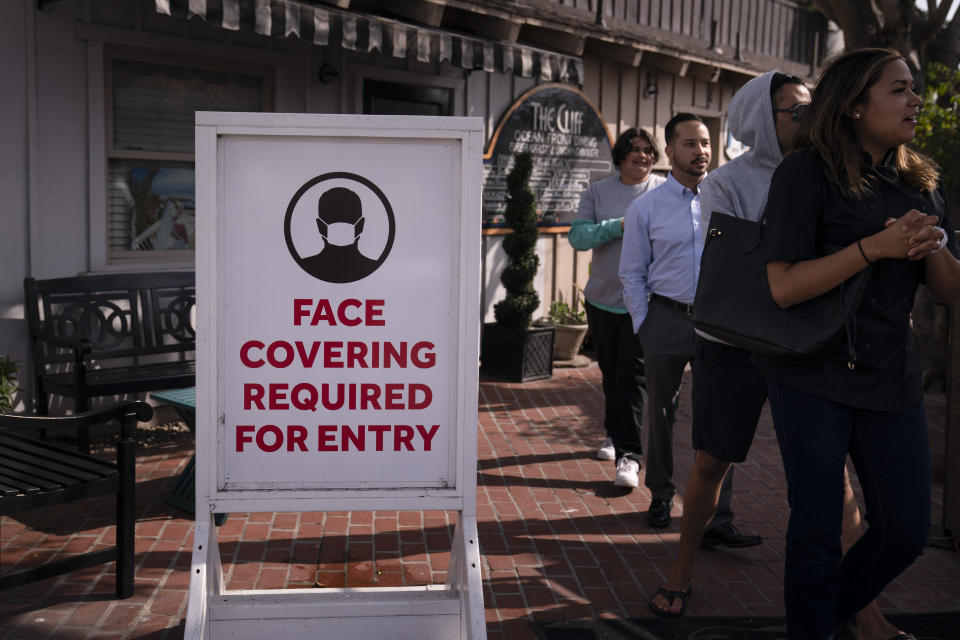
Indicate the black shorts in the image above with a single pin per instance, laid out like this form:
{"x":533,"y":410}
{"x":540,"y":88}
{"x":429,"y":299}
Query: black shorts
{"x":728,"y":395}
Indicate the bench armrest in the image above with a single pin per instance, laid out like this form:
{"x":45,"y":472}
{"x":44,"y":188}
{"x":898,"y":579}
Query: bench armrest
{"x":141,"y":410}
{"x":41,"y":334}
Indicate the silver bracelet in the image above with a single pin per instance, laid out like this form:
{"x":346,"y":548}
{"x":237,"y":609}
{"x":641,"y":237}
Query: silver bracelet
{"x":943,"y":240}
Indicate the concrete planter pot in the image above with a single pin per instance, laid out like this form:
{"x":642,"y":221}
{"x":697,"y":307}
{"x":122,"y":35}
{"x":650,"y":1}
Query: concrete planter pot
{"x":568,"y":340}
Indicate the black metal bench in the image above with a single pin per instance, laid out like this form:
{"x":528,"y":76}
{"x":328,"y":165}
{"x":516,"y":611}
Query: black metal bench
{"x":107,"y":335}
{"x":35,"y":474}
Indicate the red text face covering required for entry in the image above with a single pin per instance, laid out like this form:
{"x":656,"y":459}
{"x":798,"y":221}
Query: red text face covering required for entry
{"x":338,"y":350}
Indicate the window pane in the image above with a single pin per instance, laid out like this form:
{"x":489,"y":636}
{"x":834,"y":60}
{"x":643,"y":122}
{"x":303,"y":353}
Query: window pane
{"x":390,"y":98}
{"x":390,"y":106}
{"x":153,"y":105}
{"x":150,"y":205}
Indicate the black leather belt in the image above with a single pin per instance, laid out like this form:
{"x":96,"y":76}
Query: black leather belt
{"x":673,"y":304}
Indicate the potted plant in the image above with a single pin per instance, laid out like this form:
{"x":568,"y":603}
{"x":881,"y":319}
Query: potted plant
{"x":510,"y":347}
{"x":9,"y":373}
{"x":570,"y":329}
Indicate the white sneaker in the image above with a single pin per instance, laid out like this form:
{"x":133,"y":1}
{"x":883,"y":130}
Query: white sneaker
{"x":627,"y":473}
{"x":606,"y":450}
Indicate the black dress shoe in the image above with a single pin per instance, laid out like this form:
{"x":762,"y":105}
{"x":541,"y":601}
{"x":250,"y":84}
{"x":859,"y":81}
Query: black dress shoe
{"x":846,"y":631}
{"x":659,"y":514}
{"x":726,"y":535}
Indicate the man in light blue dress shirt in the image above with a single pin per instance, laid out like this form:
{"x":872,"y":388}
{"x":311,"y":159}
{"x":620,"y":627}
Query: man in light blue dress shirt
{"x":659,"y":267}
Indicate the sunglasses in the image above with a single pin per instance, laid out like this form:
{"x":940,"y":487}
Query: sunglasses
{"x":796,"y":112}
{"x":646,"y":150}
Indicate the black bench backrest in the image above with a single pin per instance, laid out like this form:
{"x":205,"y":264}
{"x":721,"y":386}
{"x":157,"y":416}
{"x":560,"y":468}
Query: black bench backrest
{"x":114,"y":315}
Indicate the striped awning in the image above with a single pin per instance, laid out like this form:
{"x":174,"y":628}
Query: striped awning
{"x":327,"y":26}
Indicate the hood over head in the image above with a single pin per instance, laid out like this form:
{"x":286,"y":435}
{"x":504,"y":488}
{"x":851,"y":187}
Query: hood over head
{"x":750,"y":119}
{"x":740,"y":187}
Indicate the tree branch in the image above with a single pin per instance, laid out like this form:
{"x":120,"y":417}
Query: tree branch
{"x":826,"y":8}
{"x":938,"y":14}
{"x":936,"y":18}
{"x":857,"y":19}
{"x":898,"y":24}
{"x":892,"y":11}
{"x":945,"y":47}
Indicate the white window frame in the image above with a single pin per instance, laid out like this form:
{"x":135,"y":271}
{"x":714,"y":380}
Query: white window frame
{"x":100,"y":126}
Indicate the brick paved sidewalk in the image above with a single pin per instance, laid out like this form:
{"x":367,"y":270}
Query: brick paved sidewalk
{"x":559,"y":542}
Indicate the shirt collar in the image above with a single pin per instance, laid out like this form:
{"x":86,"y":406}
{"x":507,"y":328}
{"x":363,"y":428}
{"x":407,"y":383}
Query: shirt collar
{"x":886,"y":162}
{"x":677,"y":189}
{"x":887,"y":169}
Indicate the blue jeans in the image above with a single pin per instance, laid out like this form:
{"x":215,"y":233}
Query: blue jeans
{"x":891,"y":455}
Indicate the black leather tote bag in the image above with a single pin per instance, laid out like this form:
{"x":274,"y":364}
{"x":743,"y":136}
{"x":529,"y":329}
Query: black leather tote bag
{"x":733,"y":301}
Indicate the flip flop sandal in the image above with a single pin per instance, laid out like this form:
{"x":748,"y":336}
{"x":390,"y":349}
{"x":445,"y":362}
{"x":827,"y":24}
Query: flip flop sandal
{"x":671,"y":596}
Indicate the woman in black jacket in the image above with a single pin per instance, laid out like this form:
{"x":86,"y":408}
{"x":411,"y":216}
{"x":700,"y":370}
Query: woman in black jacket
{"x":852,"y":182}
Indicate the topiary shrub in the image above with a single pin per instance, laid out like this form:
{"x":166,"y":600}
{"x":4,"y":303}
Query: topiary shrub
{"x":516,"y":310}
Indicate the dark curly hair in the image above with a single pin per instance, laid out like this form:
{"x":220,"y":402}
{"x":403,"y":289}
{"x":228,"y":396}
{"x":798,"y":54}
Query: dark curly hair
{"x":625,"y":143}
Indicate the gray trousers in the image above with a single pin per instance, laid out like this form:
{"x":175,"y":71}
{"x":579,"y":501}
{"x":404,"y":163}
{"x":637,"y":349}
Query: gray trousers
{"x":668,"y":346}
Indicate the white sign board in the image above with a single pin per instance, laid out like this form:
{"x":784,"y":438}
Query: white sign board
{"x":341,"y":313}
{"x":338,"y":302}
{"x":328,"y":383}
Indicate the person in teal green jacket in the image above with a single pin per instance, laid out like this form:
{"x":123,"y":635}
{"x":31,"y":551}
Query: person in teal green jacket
{"x":599,"y":226}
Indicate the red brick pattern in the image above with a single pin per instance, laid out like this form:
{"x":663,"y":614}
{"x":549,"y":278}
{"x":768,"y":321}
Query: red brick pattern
{"x":559,"y":542}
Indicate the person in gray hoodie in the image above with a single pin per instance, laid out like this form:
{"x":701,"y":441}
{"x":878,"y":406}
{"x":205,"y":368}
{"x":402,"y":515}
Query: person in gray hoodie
{"x":728,"y":391}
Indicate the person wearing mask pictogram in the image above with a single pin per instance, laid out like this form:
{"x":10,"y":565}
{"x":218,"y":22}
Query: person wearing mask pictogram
{"x":340,"y":222}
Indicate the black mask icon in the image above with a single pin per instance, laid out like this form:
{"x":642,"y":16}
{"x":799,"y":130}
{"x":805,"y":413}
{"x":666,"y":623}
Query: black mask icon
{"x":340,"y":223}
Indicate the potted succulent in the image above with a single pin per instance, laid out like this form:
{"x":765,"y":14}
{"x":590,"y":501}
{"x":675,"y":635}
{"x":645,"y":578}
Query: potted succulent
{"x":570,"y":327}
{"x":511,"y":348}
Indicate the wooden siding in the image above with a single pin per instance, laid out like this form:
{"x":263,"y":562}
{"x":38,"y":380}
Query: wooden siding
{"x":617,"y":90}
{"x":619,"y":93}
{"x":775,"y":28}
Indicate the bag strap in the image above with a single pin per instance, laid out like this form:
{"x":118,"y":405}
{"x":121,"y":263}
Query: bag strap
{"x":850,"y":318}
{"x":758,"y":231}
{"x":851,"y":335}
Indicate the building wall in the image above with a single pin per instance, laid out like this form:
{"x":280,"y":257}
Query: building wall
{"x":15,"y":34}
{"x":59,"y":226}
{"x":619,"y":91}
{"x":52,"y":155}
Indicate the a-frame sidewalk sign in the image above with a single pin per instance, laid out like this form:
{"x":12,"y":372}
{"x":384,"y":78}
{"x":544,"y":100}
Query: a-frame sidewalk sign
{"x":338,"y":289}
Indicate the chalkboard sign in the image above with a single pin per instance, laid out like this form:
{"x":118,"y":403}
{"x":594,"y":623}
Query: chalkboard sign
{"x":570,"y":144}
